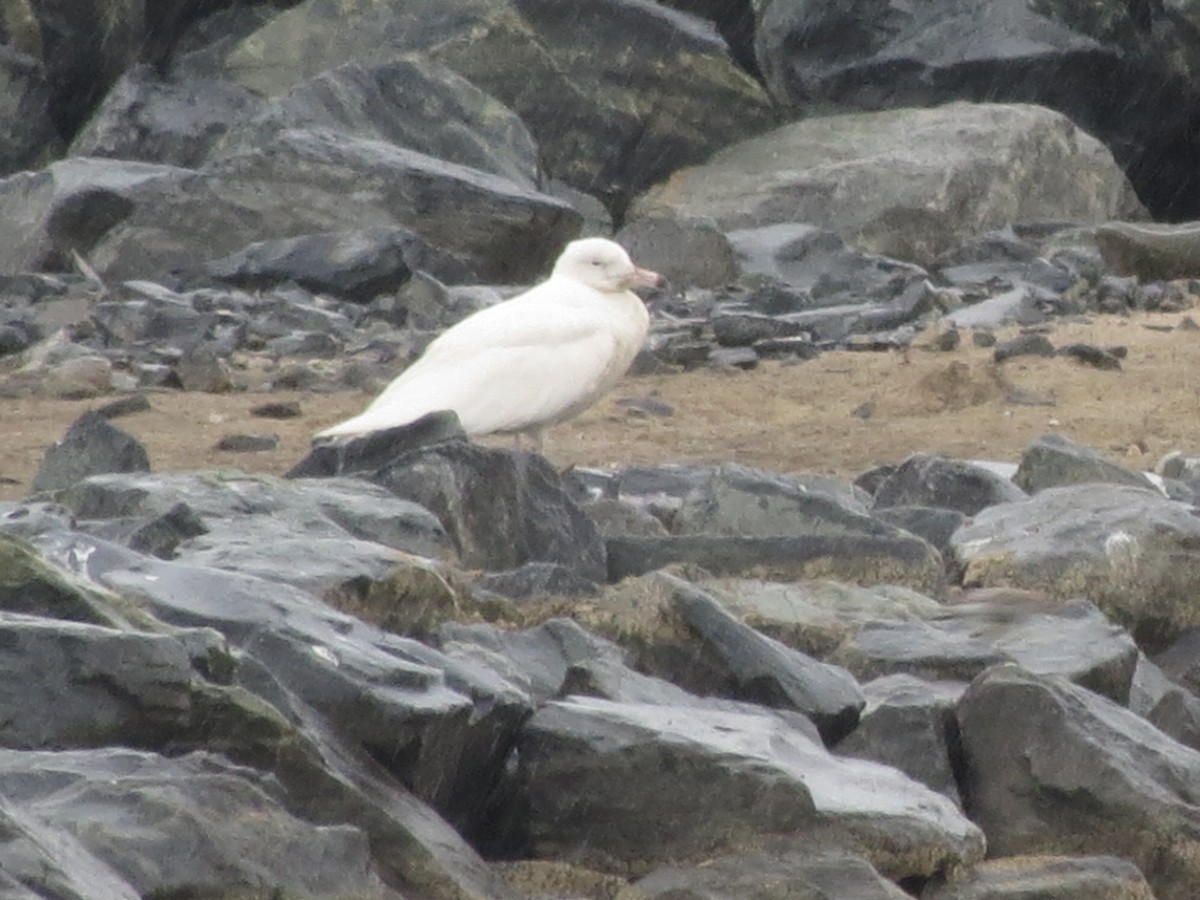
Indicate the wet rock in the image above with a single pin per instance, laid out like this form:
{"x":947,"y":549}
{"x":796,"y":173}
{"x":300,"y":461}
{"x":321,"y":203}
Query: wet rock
{"x":589,"y":86}
{"x":247,"y":443}
{"x":934,"y":524}
{"x":311,"y":533}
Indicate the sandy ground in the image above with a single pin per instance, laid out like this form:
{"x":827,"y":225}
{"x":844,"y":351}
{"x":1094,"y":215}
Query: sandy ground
{"x":838,"y":414}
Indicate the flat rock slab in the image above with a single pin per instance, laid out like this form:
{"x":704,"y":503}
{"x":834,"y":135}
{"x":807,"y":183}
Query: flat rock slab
{"x":707,"y":782}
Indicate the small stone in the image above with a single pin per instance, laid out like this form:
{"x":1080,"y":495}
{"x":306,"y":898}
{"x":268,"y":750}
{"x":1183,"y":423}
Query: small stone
{"x":247,"y":443}
{"x":1092,"y":356}
{"x":983,"y":339}
{"x":202,"y":370}
{"x":1023,"y":345}
{"x":864,"y":410}
{"x":947,"y":341}
{"x":284,"y":409}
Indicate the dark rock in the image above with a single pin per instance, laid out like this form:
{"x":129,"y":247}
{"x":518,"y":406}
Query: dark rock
{"x":91,"y":446}
{"x":70,"y":685}
{"x":1025,"y":344}
{"x":412,"y":102}
{"x":686,"y":252}
{"x":305,"y":345}
{"x":925,"y":480}
{"x":171,"y":217}
{"x":1053,"y":461}
{"x":921,"y":649}
{"x":30,"y":138}
{"x":1150,"y":251}
{"x":934,"y":524}
{"x":723,"y":774}
{"x":733,"y":358}
{"x":734,"y":328}
{"x":355,"y":265}
{"x":589,"y":84}
{"x":947,"y":341}
{"x":247,"y":443}
{"x":909,"y":723}
{"x":1048,"y":637}
{"x":760,"y":670}
{"x":950,"y":170}
{"x":362,"y":455}
{"x":818,"y":263}
{"x":1022,"y":737}
{"x":871,"y":59}
{"x":283,"y":409}
{"x":79,"y":803}
{"x":1096,"y":357}
{"x":514,"y":511}
{"x":176,"y":121}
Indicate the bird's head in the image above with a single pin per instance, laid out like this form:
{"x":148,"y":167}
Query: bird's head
{"x":603,"y":265}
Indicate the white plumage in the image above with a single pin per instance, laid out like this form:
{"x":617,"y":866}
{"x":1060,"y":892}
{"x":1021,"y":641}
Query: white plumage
{"x":531,"y":361}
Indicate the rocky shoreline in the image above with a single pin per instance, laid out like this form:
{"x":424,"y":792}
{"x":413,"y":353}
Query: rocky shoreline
{"x":422,"y":667}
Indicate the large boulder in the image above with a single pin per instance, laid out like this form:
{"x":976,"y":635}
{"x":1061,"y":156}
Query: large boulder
{"x":139,"y":219}
{"x":589,"y":82}
{"x":708,"y":782}
{"x":908,"y":183}
{"x":1054,"y":768}
{"x":1056,"y":54}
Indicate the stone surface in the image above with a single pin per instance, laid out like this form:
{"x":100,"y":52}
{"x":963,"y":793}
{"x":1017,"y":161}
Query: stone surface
{"x":1106,"y":781}
{"x":1012,"y":162}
